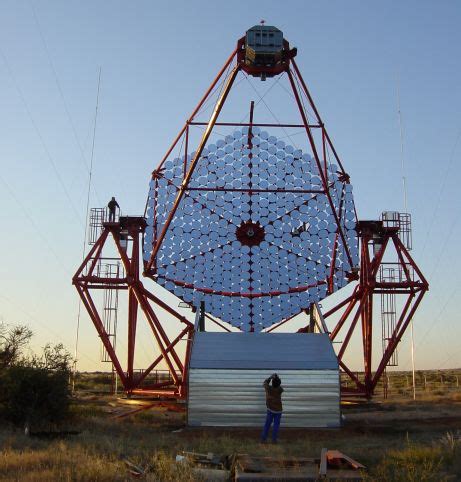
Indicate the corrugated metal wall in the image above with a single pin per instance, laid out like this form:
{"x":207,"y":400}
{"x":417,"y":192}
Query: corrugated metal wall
{"x":236,"y":397}
{"x":227,"y":371}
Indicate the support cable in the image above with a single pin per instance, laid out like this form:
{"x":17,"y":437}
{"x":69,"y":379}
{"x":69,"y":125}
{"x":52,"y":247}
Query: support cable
{"x":261,"y":99}
{"x":442,"y":250}
{"x":405,"y":208}
{"x":449,"y":358}
{"x":90,"y":174}
{"x":34,"y":225}
{"x":441,"y":190}
{"x":309,"y":113}
{"x":245,"y":117}
{"x":402,"y":159}
{"x":61,"y":93}
{"x":210,"y":101}
{"x":437,"y":318}
{"x":45,"y":326}
{"x":39,"y":135}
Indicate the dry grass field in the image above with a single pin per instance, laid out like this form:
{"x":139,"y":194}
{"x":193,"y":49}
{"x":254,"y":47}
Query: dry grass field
{"x":397,"y":439}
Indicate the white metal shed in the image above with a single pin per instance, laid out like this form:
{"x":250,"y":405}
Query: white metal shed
{"x":227,"y":371}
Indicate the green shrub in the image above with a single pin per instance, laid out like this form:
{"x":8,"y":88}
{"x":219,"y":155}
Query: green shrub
{"x":34,"y":396}
{"x":34,"y":390}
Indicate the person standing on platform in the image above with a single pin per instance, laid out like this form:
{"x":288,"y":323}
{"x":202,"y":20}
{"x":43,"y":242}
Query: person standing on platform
{"x":112,"y":205}
{"x":274,"y":406}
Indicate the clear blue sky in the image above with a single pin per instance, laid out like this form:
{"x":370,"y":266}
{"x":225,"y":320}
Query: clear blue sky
{"x":157,"y":58}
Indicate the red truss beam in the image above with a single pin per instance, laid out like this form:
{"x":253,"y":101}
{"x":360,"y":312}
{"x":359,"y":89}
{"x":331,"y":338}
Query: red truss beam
{"x":410,"y":288}
{"x":359,"y":306}
{"x":355,"y":312}
{"x":206,"y":134}
{"x":86,"y":279}
{"x":302,"y":101}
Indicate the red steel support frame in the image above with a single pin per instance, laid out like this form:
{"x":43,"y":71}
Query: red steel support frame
{"x":410,"y":287}
{"x":87,"y":279}
{"x":227,"y":75}
{"x":358,"y":306}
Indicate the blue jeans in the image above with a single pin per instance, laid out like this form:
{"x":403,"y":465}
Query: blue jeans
{"x":271,"y":417}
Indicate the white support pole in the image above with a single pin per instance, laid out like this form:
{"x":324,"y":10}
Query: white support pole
{"x":405,"y":207}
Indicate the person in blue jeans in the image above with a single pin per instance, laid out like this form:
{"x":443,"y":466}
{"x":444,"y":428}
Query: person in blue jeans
{"x":273,"y":388}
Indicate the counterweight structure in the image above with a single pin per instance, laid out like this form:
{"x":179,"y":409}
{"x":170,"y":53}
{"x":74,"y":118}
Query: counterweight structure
{"x":253,"y":220}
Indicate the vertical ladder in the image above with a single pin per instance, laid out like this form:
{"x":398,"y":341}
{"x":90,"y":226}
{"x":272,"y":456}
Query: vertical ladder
{"x":110,"y":308}
{"x":388,"y":311}
{"x":393,"y":272}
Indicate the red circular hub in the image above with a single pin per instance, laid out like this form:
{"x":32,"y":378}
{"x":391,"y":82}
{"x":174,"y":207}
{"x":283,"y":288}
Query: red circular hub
{"x":250,"y":233}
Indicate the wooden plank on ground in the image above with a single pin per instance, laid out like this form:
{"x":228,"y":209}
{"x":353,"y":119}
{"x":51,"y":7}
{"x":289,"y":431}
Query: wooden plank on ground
{"x":210,"y":475}
{"x":323,"y":463}
{"x":335,"y":456}
{"x":132,"y":412}
{"x":304,"y":475}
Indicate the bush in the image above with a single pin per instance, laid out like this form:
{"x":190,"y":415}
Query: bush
{"x":34,"y":396}
{"x":34,"y":390}
{"x":12,"y":341}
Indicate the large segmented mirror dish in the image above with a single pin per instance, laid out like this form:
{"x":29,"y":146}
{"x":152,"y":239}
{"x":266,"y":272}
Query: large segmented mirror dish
{"x":255,"y":235}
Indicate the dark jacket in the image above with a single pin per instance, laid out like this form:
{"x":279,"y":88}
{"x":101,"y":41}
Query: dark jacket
{"x":113,"y":205}
{"x":273,"y":397}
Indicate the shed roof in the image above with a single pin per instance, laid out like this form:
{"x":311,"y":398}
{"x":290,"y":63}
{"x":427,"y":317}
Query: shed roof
{"x":271,"y":351}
